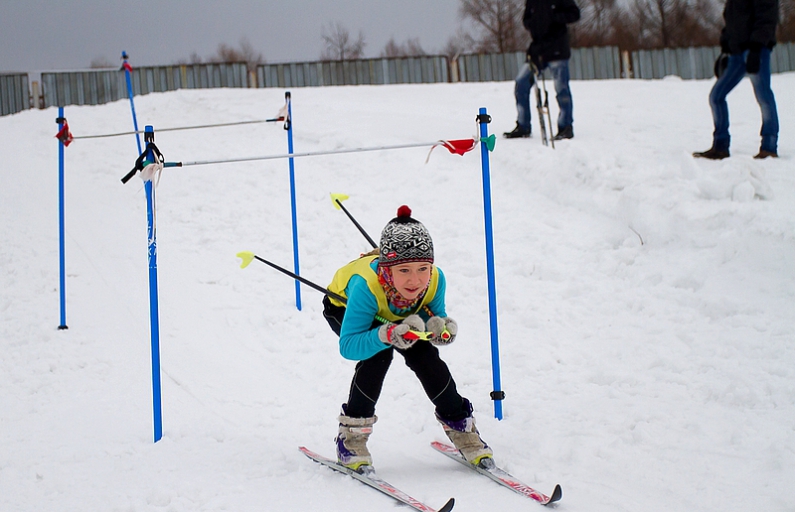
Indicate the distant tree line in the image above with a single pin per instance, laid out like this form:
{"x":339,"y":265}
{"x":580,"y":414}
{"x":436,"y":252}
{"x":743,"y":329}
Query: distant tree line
{"x":628,"y":24}
{"x":495,"y":26}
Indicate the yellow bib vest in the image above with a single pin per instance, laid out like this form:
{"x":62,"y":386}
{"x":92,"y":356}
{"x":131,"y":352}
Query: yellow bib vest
{"x":361,"y":267}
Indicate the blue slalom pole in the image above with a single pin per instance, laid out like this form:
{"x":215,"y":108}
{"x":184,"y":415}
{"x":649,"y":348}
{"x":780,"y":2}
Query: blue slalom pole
{"x":127,"y":74}
{"x":149,"y":136}
{"x":497,"y":395}
{"x":61,"y":121}
{"x":289,"y":127}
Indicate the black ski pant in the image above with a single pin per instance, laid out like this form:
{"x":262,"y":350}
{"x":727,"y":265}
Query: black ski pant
{"x":422,"y":358}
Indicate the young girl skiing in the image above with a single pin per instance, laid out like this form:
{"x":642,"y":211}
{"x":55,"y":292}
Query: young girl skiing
{"x":395,"y":303}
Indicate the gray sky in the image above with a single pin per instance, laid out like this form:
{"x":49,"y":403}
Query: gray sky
{"x":42,"y":35}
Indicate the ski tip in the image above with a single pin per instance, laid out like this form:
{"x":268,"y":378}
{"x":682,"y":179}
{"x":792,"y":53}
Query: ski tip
{"x":448,"y":506}
{"x":557,"y":494}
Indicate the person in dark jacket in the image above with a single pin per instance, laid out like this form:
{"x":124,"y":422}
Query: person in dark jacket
{"x":746,"y":40}
{"x":546,"y":20}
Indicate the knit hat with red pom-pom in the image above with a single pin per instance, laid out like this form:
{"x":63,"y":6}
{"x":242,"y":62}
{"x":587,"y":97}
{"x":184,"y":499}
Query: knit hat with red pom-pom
{"x":404,"y":240}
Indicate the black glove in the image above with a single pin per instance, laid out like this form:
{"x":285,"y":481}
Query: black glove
{"x":537,"y":61}
{"x":721,"y":63}
{"x":724,"y":44}
{"x":752,"y":61}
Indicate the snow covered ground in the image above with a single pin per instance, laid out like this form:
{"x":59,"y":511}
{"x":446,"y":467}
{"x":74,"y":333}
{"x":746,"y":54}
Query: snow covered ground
{"x":646,"y":303}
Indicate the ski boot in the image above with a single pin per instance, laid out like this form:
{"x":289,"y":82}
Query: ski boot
{"x":351,"y":442}
{"x":466,"y":438}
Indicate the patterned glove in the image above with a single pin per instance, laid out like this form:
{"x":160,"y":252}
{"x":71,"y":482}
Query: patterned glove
{"x":443,"y":330}
{"x":404,"y":334}
{"x":415,"y":322}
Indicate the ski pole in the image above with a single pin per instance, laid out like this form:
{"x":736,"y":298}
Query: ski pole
{"x":338,"y":199}
{"x":546,"y":106}
{"x":540,"y":105}
{"x":247,"y":257}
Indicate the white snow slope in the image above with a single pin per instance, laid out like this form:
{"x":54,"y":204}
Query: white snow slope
{"x":646,"y":303}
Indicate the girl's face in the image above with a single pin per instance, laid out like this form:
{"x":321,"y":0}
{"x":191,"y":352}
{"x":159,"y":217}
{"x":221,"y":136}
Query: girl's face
{"x":411,"y":279}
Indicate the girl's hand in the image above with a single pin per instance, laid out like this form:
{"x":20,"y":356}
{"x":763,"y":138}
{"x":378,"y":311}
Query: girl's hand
{"x":415,"y":322}
{"x":443,"y":330}
{"x":398,"y":335}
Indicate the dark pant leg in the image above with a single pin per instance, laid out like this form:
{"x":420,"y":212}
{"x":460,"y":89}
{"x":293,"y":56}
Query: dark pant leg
{"x":734,"y":73}
{"x":560,"y":74}
{"x":423,"y":359}
{"x":367,"y":383}
{"x":368,"y":379}
{"x":521,"y":92}
{"x":767,"y":103}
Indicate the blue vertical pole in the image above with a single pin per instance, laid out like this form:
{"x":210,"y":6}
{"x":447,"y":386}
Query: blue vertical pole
{"x":497,"y":395}
{"x":289,"y":126}
{"x":61,"y":121}
{"x":149,"y":136}
{"x":127,"y":74}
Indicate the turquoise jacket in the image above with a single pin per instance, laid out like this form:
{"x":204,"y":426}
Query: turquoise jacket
{"x":358,"y":339}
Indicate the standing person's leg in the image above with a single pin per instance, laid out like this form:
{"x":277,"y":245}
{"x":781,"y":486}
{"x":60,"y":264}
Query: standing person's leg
{"x":560,"y":74}
{"x":522,"y":86}
{"x":453,"y":411}
{"x":721,"y":140}
{"x":767,"y":104}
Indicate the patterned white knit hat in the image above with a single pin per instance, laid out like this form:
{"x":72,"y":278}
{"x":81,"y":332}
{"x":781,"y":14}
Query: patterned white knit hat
{"x":404,"y":240}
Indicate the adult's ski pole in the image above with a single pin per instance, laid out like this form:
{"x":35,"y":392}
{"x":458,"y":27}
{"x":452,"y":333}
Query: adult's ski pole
{"x":546,"y":107}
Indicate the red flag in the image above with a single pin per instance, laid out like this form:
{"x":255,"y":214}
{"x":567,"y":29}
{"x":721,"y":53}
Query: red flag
{"x":460,"y":146}
{"x":127,"y":66}
{"x":64,"y":135}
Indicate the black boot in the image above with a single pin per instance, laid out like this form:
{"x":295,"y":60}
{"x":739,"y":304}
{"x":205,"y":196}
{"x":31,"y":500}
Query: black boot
{"x":713,"y":154}
{"x":764,"y":154}
{"x":564,"y":133}
{"x":519,"y":133}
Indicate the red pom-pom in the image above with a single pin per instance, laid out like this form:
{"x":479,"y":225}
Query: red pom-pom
{"x":404,"y":211}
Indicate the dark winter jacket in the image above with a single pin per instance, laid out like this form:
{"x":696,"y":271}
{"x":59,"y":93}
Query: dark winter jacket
{"x":749,"y":24}
{"x":546,"y":20}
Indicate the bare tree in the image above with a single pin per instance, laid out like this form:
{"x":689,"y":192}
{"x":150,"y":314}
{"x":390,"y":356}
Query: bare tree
{"x":597,"y":25}
{"x":499,"y":23}
{"x":245,"y":53}
{"x":338,"y":44}
{"x":675,"y":23}
{"x":460,"y":43}
{"x":410,"y":48}
{"x":786,"y":27}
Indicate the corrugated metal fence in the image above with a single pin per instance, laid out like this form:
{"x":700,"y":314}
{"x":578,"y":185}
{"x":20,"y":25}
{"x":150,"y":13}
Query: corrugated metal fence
{"x":585,"y":64}
{"x":403,"y":70}
{"x":97,"y":87}
{"x":14,"y":93}
{"x":698,"y":63}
